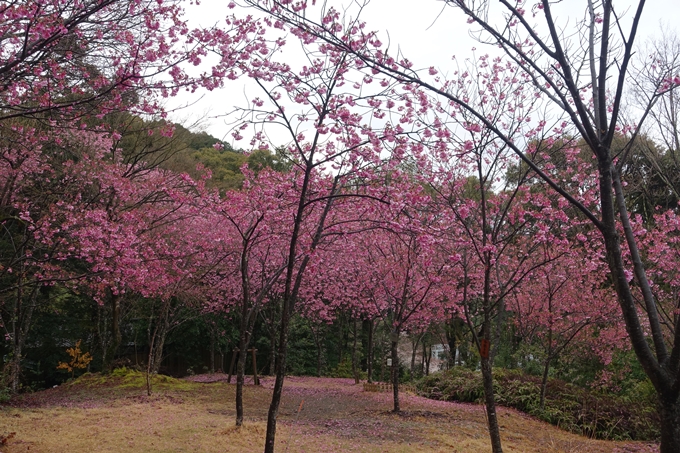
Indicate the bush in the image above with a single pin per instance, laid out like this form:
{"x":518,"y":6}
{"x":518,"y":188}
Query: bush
{"x":5,"y":394}
{"x":632,"y":416}
{"x":344,"y":370}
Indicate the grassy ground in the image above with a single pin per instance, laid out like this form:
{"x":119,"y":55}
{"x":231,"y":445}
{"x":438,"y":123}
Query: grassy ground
{"x":113,"y":414}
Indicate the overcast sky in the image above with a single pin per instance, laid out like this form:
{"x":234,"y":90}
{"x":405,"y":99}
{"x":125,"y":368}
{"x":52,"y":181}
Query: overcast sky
{"x":429,"y":34}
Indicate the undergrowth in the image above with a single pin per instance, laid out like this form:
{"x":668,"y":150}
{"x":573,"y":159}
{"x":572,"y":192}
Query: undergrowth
{"x":131,"y":378}
{"x":604,"y":416}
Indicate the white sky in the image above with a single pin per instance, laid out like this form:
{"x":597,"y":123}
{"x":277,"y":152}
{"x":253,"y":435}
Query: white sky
{"x":429,"y":34}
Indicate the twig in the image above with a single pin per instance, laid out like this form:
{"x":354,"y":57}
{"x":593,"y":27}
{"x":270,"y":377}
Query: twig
{"x":294,"y":423}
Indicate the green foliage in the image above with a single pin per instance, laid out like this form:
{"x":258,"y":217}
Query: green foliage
{"x":59,"y":320}
{"x":124,"y":377}
{"x":199,"y":140}
{"x":458,"y":384}
{"x":301,"y":358}
{"x":620,"y":417}
{"x":344,"y":370}
{"x":225,"y":164}
{"x":263,"y":158}
{"x":5,"y":394}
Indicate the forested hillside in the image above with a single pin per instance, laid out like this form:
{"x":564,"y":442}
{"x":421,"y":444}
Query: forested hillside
{"x":518,"y":210}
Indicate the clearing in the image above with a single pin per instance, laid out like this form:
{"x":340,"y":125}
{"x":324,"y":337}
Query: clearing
{"x":113,"y":414}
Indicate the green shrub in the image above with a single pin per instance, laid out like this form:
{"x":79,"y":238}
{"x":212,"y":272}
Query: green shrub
{"x":5,"y":394}
{"x":631,"y":416}
{"x":344,"y":370}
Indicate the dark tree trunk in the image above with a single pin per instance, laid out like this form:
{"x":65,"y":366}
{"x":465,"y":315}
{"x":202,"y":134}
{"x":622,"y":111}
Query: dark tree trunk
{"x":394,"y":341}
{"x":246,"y":329}
{"x":498,"y":328}
{"x":363,"y":363}
{"x":414,"y":353}
{"x":272,"y":356}
{"x":490,"y":404}
{"x":427,"y":354}
{"x":544,"y":381}
{"x":114,"y":336}
{"x":546,"y":366}
{"x":453,"y":344}
{"x":670,"y":422}
{"x":355,"y":364}
{"x":240,"y":377}
{"x":369,"y":360}
{"x":318,"y":342}
{"x":319,"y":358}
{"x":291,"y":289}
{"x":160,"y":335}
{"x":21,"y":322}
{"x":212,"y":350}
{"x":149,"y":364}
{"x":280,"y":375}
{"x":158,"y":349}
{"x":343,"y":341}
{"x":454,"y":335}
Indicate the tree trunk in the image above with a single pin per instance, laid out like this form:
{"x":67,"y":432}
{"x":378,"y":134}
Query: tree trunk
{"x":272,"y":356}
{"x":453,"y":338}
{"x":343,"y":341}
{"x":149,"y":363}
{"x":21,"y":323}
{"x":490,"y":402}
{"x":548,"y":359}
{"x":15,"y":362}
{"x":212,"y":350}
{"x":318,"y":342}
{"x":102,"y":335}
{"x":670,"y":423}
{"x":114,"y":336}
{"x":355,"y":365}
{"x":544,"y":382}
{"x":394,"y":340}
{"x":278,"y":384}
{"x":428,"y":356}
{"x":240,"y":377}
{"x":369,"y":360}
{"x":160,"y":335}
{"x":158,"y":350}
{"x":414,"y":352}
{"x":245,"y":333}
{"x":319,"y":359}
{"x":499,"y":327}
{"x":15,"y":366}
{"x":666,"y":381}
{"x":292,"y":288}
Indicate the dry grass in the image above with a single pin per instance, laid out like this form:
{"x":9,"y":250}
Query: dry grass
{"x":113,"y":415}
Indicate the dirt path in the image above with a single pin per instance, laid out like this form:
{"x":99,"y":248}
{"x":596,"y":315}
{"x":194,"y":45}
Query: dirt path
{"x":317,"y":415}
{"x":342,"y":409}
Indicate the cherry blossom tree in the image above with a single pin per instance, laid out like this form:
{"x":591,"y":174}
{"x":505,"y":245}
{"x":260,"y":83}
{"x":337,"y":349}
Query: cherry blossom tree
{"x":565,"y":301}
{"x":580,"y":70}
{"x":252,"y":232}
{"x":401,"y":269}
{"x":328,"y":147}
{"x":66,"y":66}
{"x":81,"y":59}
{"x":490,"y":239}
{"x":124,"y":231}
